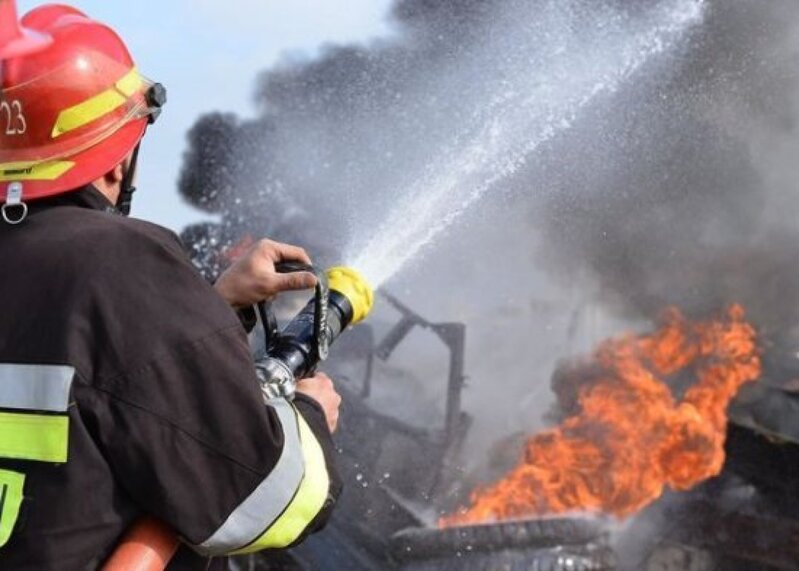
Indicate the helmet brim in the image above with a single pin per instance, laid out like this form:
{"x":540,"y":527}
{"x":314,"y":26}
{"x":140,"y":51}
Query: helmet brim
{"x":85,"y":167}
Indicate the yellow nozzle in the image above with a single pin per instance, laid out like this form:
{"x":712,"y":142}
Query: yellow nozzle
{"x":351,"y":285}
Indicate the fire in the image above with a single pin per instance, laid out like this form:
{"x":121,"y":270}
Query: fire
{"x":631,"y":437}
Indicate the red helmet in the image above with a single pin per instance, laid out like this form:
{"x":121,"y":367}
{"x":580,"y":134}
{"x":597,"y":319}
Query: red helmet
{"x":72,"y":103}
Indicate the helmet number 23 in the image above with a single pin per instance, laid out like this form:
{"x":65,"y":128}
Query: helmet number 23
{"x":13,"y":118}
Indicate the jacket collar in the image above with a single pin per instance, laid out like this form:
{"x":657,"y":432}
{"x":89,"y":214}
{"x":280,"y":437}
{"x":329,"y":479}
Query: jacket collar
{"x":85,"y":197}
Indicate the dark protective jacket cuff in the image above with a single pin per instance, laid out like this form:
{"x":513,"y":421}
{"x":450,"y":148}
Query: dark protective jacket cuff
{"x":312,"y":411}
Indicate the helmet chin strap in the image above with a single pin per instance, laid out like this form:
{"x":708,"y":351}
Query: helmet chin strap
{"x":126,"y":188}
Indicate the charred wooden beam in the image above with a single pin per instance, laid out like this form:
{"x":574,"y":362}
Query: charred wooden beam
{"x":757,"y":539}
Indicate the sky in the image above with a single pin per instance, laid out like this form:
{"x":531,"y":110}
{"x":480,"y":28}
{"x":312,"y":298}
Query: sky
{"x":208,"y":54}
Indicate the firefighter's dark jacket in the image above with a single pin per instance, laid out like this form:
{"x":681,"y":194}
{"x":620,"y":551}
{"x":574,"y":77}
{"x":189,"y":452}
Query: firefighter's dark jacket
{"x":127,"y":388}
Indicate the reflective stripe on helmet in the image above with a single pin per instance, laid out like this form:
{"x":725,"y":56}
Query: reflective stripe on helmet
{"x":287,"y":500}
{"x":35,"y":437}
{"x":35,"y":387}
{"x":98,"y":106}
{"x":81,"y":101}
{"x":49,"y":170}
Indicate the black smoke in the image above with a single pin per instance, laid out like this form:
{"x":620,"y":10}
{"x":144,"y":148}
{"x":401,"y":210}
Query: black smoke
{"x":681,"y":188}
{"x":691,"y":198}
{"x":291,"y":172}
{"x":663,"y":192}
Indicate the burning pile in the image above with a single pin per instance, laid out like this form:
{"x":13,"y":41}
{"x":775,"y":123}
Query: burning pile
{"x":630,"y":436}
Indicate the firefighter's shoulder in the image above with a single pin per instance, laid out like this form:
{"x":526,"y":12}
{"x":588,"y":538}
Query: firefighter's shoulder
{"x":105,"y":236}
{"x":136,"y":282}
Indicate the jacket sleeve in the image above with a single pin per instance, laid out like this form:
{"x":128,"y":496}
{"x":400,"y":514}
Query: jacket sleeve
{"x":174,"y":406}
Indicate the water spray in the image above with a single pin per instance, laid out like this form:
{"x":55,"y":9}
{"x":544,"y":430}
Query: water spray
{"x":501,"y":136}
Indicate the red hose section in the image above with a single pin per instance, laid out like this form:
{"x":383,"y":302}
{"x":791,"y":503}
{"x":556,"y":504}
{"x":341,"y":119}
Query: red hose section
{"x":148,"y":546}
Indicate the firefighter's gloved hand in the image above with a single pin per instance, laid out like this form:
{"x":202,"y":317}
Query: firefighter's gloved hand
{"x":320,"y":388}
{"x":253,"y":278}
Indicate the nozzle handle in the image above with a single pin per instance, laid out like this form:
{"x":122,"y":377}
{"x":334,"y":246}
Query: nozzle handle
{"x":321,"y":297}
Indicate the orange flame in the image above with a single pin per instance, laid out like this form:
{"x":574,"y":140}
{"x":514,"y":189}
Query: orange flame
{"x":631,"y":437}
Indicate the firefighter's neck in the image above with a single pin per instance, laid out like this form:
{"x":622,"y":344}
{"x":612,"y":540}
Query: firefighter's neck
{"x":110,"y":184}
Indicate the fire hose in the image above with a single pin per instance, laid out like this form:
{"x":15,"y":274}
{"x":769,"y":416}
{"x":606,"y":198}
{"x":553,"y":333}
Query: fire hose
{"x":342,"y":298}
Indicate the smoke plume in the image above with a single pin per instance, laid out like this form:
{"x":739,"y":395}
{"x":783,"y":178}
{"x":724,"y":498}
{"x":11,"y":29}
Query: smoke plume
{"x":688,"y":194}
{"x":679,"y":188}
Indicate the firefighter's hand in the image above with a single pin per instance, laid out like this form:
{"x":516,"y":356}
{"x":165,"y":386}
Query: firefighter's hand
{"x":321,"y":389}
{"x":252,"y":278}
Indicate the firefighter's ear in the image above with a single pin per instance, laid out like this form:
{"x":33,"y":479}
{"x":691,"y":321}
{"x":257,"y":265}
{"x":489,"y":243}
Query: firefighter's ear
{"x":109,"y":184}
{"x":116,"y":174}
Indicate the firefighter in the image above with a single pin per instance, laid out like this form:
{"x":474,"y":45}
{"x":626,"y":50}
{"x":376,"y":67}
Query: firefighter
{"x":126,"y":383}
